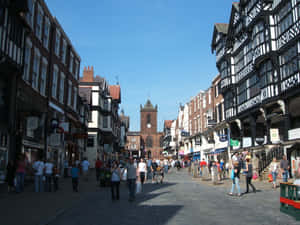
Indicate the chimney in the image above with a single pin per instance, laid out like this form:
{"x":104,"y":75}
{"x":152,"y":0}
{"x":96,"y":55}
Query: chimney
{"x":88,"y":74}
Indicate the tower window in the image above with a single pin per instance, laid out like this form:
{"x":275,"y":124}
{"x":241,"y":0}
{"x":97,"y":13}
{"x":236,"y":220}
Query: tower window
{"x":148,"y":118}
{"x":149,"y":142}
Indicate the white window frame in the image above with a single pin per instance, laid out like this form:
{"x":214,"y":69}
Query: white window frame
{"x":71,"y":62}
{"x":62,"y":87}
{"x":64,"y":51}
{"x":39,"y":24}
{"x":57,"y":42}
{"x":69,"y":93}
{"x":36,"y":69}
{"x":27,"y":60}
{"x":44,"y":76}
{"x":54,"y":81}
{"x":46,"y":33}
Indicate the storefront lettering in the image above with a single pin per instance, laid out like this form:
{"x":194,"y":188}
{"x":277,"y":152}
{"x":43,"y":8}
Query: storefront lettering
{"x":290,"y":82}
{"x":240,"y":41}
{"x":250,"y":103}
{"x":289,"y":35}
{"x":245,"y":72}
{"x":259,"y":51}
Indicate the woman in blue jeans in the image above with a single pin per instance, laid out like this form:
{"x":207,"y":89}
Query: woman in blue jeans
{"x":236,"y":179}
{"x":274,"y":167}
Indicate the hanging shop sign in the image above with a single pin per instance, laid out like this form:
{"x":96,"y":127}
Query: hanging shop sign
{"x":260,"y":140}
{"x":222,"y":137}
{"x":294,"y":134}
{"x":234,"y":142}
{"x":274,"y":134}
{"x":247,"y":142}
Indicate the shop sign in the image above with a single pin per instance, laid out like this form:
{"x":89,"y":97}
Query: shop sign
{"x":234,"y":142}
{"x":260,"y":140}
{"x":274,"y":133}
{"x":244,"y":72}
{"x":247,"y":142}
{"x":294,"y":134}
{"x":222,"y":137}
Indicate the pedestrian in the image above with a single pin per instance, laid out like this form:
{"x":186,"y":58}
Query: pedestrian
{"x":214,"y":172}
{"x":203,"y":165}
{"x":274,"y":168}
{"x":142,"y":170}
{"x":98,"y":166}
{"x":48,"y":174}
{"x":20,"y":173}
{"x":153,"y":170}
{"x":10,"y":175}
{"x":55,"y":177}
{"x":131,"y":178}
{"x":115,"y":181}
{"x":222,"y":168}
{"x":85,"y":168}
{"x":38,"y":167}
{"x":284,"y":166}
{"x":66,"y":168}
{"x":249,"y":174}
{"x":236,"y":179}
{"x":297,"y":182}
{"x":149,"y":174}
{"x":227,"y":169}
{"x":75,"y":177}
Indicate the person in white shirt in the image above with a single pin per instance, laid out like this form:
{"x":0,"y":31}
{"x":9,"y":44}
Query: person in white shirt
{"x":48,"y":174}
{"x":142,"y":170}
{"x":85,"y":168}
{"x":38,"y":167}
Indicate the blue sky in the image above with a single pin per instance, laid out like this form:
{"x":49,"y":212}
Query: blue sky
{"x":158,"y":49}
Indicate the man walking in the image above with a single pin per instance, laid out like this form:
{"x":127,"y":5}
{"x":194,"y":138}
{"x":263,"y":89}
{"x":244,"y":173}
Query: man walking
{"x":85,"y":168}
{"x":284,"y":165}
{"x":131,"y":179}
{"x":38,"y":167}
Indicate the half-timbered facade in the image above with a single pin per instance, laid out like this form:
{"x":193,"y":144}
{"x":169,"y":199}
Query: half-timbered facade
{"x":12,"y":37}
{"x":259,"y":69}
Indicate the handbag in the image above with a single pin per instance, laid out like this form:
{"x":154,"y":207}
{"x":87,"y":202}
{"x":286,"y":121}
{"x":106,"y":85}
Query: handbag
{"x":254,"y":177}
{"x":232,"y":174}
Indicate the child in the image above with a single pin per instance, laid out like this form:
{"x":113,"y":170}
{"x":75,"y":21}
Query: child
{"x":75,"y":176}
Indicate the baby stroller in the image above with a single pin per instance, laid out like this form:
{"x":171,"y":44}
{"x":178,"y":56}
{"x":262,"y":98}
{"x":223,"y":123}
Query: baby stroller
{"x":159,"y":175}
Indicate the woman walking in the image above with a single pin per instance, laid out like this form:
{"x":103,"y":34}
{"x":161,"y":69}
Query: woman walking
{"x":236,"y":179}
{"x":274,"y":169}
{"x":249,"y":175}
{"x":21,"y":166}
{"x":115,"y":181}
{"x":142,"y":168}
{"x":10,"y":175}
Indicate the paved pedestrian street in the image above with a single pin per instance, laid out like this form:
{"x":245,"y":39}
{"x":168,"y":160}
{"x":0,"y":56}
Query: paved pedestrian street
{"x":181,"y":200}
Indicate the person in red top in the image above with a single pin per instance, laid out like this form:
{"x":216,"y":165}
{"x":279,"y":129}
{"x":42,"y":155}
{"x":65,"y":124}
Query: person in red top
{"x":20,"y":172}
{"x":98,"y":166}
{"x":203,"y":164}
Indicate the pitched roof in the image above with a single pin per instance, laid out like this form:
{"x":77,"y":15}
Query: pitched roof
{"x":115,"y":92}
{"x":168,"y":123}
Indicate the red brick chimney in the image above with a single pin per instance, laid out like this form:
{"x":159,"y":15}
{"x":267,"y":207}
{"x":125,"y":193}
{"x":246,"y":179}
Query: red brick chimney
{"x":88,"y":74}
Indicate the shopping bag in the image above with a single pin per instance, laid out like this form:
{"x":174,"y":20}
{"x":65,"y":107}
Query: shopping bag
{"x":270,"y":178}
{"x":138,"y":187}
{"x":254,"y":177}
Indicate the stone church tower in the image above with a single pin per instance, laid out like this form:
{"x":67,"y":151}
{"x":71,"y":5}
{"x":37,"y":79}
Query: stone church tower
{"x":151,"y":140}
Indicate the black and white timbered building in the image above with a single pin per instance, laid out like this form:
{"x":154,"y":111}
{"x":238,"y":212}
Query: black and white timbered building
{"x":257,"y":55}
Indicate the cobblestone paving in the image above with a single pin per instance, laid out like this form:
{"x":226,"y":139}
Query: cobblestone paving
{"x":181,"y":200}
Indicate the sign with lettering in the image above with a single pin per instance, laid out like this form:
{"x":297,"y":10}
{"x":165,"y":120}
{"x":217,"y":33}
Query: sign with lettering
{"x":274,"y":134}
{"x":247,"y":142}
{"x":250,"y":103}
{"x":294,"y":134}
